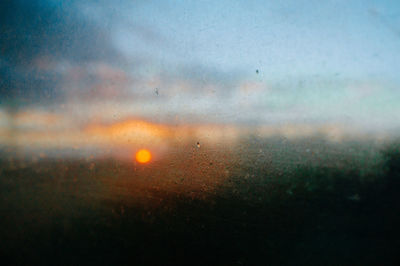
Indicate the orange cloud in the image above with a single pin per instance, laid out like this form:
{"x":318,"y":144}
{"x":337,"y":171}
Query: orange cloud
{"x":129,"y":131}
{"x":40,"y":129}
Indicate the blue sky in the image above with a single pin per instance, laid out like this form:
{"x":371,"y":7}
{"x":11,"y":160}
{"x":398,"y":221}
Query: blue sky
{"x":282,"y":38}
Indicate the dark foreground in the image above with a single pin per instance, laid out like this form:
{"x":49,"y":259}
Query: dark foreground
{"x":62,"y":212}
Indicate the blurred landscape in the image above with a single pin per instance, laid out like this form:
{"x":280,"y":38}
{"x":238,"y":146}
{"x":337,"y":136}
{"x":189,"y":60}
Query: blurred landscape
{"x":269,"y":132}
{"x":260,"y":201}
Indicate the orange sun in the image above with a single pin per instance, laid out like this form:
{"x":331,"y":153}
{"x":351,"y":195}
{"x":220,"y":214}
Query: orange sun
{"x":143,"y":156}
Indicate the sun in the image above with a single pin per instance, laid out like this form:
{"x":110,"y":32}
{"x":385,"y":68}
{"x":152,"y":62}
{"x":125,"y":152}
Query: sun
{"x":143,"y":156}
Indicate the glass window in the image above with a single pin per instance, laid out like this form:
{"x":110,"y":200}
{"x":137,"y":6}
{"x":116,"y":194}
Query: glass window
{"x":199,"y":132}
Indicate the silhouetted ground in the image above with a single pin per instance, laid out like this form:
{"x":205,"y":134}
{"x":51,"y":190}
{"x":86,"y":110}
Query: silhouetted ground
{"x":253,"y":213}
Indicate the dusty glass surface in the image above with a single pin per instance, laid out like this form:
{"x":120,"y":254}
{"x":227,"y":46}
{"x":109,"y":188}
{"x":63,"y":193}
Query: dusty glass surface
{"x":200,"y":132}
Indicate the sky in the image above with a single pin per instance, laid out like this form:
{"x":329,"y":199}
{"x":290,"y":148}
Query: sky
{"x":72,"y":66}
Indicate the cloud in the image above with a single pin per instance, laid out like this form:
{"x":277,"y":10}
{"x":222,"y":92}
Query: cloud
{"x":66,"y":58}
{"x":35,"y":36}
{"x":54,"y":52}
{"x":39,"y":38}
{"x":37,"y":120}
{"x":96,"y":81}
{"x":127,"y":132}
{"x":37,"y":129}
